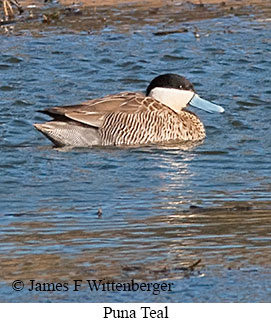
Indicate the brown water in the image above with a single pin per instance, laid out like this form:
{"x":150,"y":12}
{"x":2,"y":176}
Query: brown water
{"x":163,"y":208}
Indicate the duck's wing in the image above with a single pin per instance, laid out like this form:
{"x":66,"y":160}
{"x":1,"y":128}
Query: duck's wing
{"x":93,"y":112}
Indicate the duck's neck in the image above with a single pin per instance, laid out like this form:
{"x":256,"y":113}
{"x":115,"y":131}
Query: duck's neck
{"x":173,"y":98}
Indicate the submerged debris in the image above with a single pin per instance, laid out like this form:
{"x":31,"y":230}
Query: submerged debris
{"x":99,"y":212}
{"x":130,"y":267}
{"x":219,"y":210}
{"x":190,"y":267}
{"x":164,"y":270}
{"x":196,"y":32}
{"x":168,"y":32}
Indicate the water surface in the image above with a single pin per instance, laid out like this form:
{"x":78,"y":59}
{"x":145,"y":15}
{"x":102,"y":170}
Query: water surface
{"x":163,"y":207}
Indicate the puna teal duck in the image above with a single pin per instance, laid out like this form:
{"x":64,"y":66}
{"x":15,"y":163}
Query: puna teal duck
{"x":131,"y":118}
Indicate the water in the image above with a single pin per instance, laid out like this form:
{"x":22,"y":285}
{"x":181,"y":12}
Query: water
{"x":163,"y":207}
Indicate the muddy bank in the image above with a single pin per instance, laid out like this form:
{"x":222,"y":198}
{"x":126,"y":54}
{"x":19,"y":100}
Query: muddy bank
{"x":151,"y":3}
{"x":90,"y":16}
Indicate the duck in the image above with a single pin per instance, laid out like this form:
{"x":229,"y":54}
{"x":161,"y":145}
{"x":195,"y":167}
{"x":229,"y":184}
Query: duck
{"x":160,"y":115}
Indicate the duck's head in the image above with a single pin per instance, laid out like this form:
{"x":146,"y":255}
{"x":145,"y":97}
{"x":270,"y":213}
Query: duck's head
{"x":177,"y":92}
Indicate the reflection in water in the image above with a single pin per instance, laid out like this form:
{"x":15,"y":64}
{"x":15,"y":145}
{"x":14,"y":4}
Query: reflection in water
{"x":163,"y":208}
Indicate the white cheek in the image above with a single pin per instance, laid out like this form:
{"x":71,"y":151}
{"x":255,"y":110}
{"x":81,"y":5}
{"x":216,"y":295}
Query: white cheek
{"x":173,"y":98}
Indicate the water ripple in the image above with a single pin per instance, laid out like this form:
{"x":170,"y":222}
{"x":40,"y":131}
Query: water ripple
{"x":163,"y":207}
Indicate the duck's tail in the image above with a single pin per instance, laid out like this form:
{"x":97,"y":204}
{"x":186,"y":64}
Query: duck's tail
{"x":69,"y":134}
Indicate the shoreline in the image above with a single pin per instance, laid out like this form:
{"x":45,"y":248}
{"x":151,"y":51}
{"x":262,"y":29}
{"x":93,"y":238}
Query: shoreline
{"x":92,"y":15}
{"x":152,"y":3}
